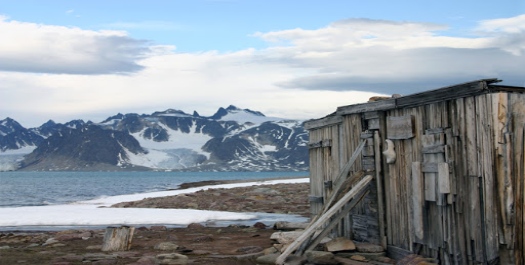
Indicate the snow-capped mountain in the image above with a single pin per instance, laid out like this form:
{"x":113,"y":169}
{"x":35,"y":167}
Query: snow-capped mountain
{"x":232,"y":139}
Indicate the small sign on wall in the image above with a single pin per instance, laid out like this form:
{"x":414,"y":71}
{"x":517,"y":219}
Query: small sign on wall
{"x":401,"y":127}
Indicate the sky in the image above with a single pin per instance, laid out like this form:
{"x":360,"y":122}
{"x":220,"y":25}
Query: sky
{"x":96,"y":212}
{"x":294,"y":59}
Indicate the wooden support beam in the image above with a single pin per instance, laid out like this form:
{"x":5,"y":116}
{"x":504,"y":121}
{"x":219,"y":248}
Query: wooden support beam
{"x":323,"y":219}
{"x":335,"y":220}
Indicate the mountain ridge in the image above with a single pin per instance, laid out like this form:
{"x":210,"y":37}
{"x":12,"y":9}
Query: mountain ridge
{"x":232,"y":139}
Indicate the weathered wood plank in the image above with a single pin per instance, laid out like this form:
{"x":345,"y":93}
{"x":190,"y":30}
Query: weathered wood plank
{"x":379,"y":186}
{"x":400,"y":127}
{"x":333,"y":222}
{"x":327,"y":121}
{"x":371,"y":115}
{"x":443,"y":178}
{"x":373,"y":124}
{"x":433,"y":149}
{"x":442,"y":94}
{"x":367,"y":107}
{"x":418,"y":202}
{"x":322,"y":220}
{"x":118,"y":238}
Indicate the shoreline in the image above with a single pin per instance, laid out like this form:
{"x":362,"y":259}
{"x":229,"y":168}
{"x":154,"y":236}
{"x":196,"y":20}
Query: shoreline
{"x":202,"y":243}
{"x":40,"y":218}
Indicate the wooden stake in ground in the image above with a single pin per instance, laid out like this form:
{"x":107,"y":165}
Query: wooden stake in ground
{"x":118,"y":238}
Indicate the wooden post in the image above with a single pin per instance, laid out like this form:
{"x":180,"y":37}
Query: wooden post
{"x":118,"y":238}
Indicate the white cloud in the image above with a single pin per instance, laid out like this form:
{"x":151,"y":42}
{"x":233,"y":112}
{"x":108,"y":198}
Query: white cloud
{"x":509,"y":25}
{"x":303,"y":74}
{"x":36,"y":48}
{"x":395,"y":57}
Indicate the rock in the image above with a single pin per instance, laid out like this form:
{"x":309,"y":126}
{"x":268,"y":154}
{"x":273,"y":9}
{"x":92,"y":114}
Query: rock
{"x":172,"y":258}
{"x":340,"y":244}
{"x":249,"y":249}
{"x":4,"y":247}
{"x":259,"y":225}
{"x":270,"y":250}
{"x":345,"y":261}
{"x":192,"y":205}
{"x":166,"y":246}
{"x":386,"y":260}
{"x":73,"y":236}
{"x":99,"y":247}
{"x":358,"y":258}
{"x":286,"y":237}
{"x":267,"y":259}
{"x":158,"y":228}
{"x":69,"y":258}
{"x":369,"y":248}
{"x":50,"y":241}
{"x":283,"y":225}
{"x":321,"y":257}
{"x":205,"y":238}
{"x":104,"y":262}
{"x":126,"y":254}
{"x":33,"y":245}
{"x":145,"y":260}
{"x":98,"y":256}
{"x":201,"y":252}
{"x":263,"y":190}
{"x":195,"y":226}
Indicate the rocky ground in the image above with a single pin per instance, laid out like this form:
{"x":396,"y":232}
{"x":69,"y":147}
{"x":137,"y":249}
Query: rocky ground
{"x":195,"y":244}
{"x":277,"y":198}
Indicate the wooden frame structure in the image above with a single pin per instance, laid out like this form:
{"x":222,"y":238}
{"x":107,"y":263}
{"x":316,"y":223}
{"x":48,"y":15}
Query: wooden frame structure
{"x":456,"y":189}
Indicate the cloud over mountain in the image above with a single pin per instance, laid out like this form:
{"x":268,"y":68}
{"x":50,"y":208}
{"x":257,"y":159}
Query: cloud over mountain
{"x":37,"y":48}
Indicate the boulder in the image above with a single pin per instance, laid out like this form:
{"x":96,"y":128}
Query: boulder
{"x":340,"y":244}
{"x":321,"y":257}
{"x":172,"y":258}
{"x":369,"y":248}
{"x":145,"y":260}
{"x":267,"y":259}
{"x":166,"y":246}
{"x":195,"y":226}
{"x":286,"y":237}
{"x":92,"y":257}
{"x":289,"y":226}
{"x":158,"y":228}
{"x":76,"y":235}
{"x":259,"y":225}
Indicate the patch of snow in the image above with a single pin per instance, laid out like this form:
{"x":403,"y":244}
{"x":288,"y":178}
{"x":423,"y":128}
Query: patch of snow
{"x":96,"y":212}
{"x":175,"y":115}
{"x":176,"y":140}
{"x":242,"y":117}
{"x":268,"y":148}
{"x":21,"y":151}
{"x":152,"y":159}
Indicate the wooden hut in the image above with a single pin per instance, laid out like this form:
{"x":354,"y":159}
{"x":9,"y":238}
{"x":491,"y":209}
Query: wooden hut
{"x":455,"y":188}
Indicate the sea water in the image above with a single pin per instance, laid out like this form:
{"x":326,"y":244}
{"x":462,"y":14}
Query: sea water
{"x":63,"y":199}
{"x":21,"y":188}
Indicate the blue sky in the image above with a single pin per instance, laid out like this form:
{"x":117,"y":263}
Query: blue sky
{"x":88,"y":60}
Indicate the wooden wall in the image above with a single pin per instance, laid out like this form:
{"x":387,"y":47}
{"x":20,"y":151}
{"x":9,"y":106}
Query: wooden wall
{"x":457,"y":189}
